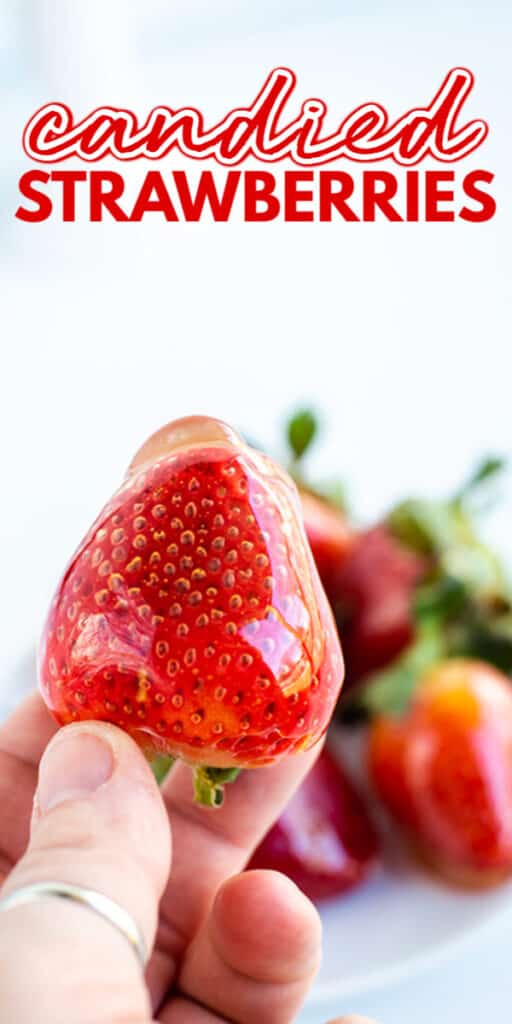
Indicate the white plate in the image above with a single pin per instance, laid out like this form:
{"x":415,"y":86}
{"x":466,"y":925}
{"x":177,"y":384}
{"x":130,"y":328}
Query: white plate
{"x":397,"y":923}
{"x":394,"y":926}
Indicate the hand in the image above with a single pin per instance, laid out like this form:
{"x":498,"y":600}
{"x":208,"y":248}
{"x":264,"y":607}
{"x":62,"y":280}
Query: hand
{"x":225,"y":945}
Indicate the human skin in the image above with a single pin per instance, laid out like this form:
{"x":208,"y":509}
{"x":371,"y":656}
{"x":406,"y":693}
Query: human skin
{"x":225,"y":945}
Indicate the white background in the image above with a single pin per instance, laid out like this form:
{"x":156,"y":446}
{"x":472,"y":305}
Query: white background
{"x":398,"y":333}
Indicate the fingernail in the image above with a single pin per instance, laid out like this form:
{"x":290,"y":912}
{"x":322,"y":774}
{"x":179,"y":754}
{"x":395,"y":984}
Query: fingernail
{"x":73,"y":767}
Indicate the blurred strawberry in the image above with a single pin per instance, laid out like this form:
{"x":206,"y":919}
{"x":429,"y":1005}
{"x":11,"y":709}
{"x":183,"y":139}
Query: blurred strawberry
{"x":444,"y":770}
{"x":324,"y":840}
{"x":369,"y":576}
{"x":329,"y":534}
{"x":371,"y":591}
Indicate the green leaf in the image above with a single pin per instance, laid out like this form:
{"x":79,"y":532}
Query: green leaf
{"x":161,"y":766}
{"x":477,"y":568}
{"x":443,"y":597}
{"x":390,"y":691}
{"x":445,"y":532}
{"x":489,"y":467}
{"x":425,"y":526}
{"x":302,"y":429}
{"x":488,"y":638}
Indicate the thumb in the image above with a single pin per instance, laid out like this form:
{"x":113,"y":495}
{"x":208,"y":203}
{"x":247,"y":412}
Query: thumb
{"x":98,"y":822}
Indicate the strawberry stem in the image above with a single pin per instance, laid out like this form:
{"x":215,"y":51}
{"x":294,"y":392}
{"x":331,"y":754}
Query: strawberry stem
{"x":209,"y":784}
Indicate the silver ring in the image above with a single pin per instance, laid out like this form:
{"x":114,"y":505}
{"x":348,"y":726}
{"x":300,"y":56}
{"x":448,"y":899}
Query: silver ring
{"x":96,"y":901}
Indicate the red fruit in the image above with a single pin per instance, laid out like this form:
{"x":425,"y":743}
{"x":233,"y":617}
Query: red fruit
{"x":371,"y":594}
{"x":324,"y":840}
{"x":444,"y":770}
{"x":192,"y":615}
{"x":328,"y":533}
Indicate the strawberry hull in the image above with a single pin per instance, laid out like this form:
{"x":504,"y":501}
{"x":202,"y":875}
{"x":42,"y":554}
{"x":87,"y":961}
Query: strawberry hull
{"x":192,"y":615}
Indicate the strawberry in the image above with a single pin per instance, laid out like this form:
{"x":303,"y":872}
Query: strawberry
{"x":444,"y":770}
{"x":329,"y":534}
{"x":192,"y":615}
{"x":371,"y":592}
{"x":324,"y":840}
{"x":369,"y":578}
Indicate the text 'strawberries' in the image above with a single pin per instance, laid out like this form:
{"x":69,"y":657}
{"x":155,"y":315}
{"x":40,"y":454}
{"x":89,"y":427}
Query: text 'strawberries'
{"x":266,"y":132}
{"x":192,"y":614}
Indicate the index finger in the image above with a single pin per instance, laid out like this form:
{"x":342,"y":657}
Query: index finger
{"x":23,"y":737}
{"x":211,"y":845}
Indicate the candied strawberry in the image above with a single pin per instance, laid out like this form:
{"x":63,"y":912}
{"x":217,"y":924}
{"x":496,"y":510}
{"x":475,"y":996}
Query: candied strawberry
{"x":324,"y":840}
{"x":192,"y":615}
{"x":444,"y":770}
